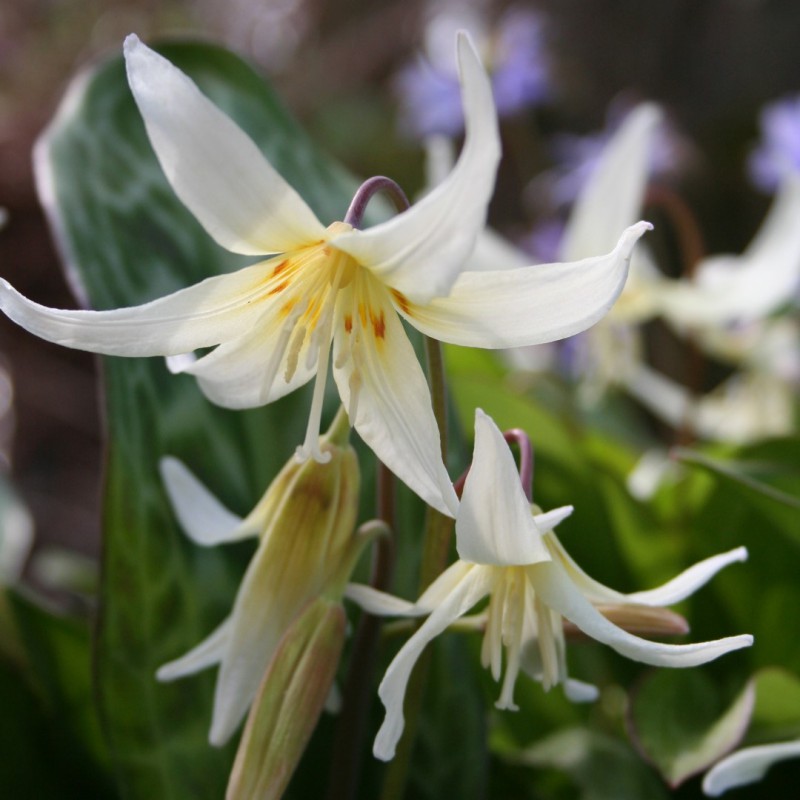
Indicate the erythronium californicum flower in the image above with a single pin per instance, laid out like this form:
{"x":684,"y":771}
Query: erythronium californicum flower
{"x":307,"y":549}
{"x":747,"y":765}
{"x":273,"y":323}
{"x":510,"y":554}
{"x":733,"y":290}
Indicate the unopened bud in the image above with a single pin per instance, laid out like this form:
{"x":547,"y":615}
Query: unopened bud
{"x":288,"y":703}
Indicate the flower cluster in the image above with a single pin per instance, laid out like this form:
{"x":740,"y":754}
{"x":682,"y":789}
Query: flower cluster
{"x":335,"y":297}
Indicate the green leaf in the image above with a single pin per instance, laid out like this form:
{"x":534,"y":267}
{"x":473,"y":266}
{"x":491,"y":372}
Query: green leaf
{"x":601,"y":766}
{"x":680,"y":722}
{"x":450,"y":755}
{"x":743,"y":473}
{"x":125,"y":239}
{"x":58,"y":666}
{"x":776,"y":715}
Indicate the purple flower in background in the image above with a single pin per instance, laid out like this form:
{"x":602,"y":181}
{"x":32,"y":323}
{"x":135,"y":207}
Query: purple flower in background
{"x":577,"y":157}
{"x":778,"y":152}
{"x":513,"y":52}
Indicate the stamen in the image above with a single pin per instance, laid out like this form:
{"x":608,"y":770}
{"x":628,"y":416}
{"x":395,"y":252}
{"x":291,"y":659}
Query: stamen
{"x":294,"y":351}
{"x":547,"y":646}
{"x":311,"y":446}
{"x":274,"y":362}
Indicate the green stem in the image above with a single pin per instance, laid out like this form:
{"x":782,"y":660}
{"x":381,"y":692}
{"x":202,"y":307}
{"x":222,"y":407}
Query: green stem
{"x":436,"y":548}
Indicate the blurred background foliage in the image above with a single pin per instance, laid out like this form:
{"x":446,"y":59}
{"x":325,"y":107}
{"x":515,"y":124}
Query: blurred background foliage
{"x":334,"y":68}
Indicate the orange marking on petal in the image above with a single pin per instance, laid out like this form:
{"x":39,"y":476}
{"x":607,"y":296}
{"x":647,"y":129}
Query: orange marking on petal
{"x":402,"y":301}
{"x":378,"y":325}
{"x":280,"y":267}
{"x":287,"y":307}
{"x":279,"y":288}
{"x":348,"y":323}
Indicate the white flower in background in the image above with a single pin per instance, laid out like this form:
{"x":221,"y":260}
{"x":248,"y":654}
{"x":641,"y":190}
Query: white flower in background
{"x":747,"y":765}
{"x":606,"y":354}
{"x":272,"y":324}
{"x":728,"y":290}
{"x":307,"y":549}
{"x":508,"y":552}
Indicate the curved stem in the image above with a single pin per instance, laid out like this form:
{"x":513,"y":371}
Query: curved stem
{"x":357,"y":690}
{"x":693,"y":250}
{"x":367,"y":191}
{"x":523,"y":442}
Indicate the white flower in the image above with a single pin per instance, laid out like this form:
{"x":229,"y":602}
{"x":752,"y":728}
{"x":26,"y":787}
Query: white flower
{"x":747,"y":765}
{"x":273,"y":323}
{"x":727,"y":289}
{"x":512,"y":555}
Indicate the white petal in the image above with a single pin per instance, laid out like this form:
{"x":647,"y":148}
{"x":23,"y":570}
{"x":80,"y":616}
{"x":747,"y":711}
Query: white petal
{"x":612,"y":198}
{"x":556,"y":590}
{"x":393,"y":686}
{"x":689,"y":581}
{"x":209,"y":652}
{"x":265,"y":606}
{"x":421,"y":251}
{"x":747,"y":766}
{"x":250,"y":371}
{"x":580,"y":692}
{"x":529,"y":305}
{"x":494,"y":523}
{"x":202,"y":315}
{"x":380,"y":603}
{"x":392,"y":410}
{"x":738,"y":289}
{"x":442,"y":586}
{"x":679,"y":588}
{"x":214,"y":167}
{"x":203,"y":518}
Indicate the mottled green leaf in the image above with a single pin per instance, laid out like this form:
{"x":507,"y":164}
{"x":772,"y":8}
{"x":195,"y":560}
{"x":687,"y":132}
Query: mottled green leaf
{"x":125,"y":239}
{"x":58,"y":669}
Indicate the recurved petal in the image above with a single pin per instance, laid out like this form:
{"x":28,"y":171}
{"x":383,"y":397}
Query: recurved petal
{"x":739,"y":289}
{"x":528,"y":305}
{"x":554,"y":588}
{"x":202,"y":315}
{"x":494,"y":523}
{"x":675,"y":590}
{"x":213,"y":166}
{"x":421,"y":251}
{"x":209,"y":652}
{"x":387,"y":398}
{"x":203,"y":518}
{"x":380,"y":603}
{"x":613,"y":196}
{"x":689,"y":581}
{"x":392,"y":690}
{"x":747,"y":766}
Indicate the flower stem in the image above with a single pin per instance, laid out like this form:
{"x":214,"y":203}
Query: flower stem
{"x":365,"y":193}
{"x":436,"y":547}
{"x":357,"y":690}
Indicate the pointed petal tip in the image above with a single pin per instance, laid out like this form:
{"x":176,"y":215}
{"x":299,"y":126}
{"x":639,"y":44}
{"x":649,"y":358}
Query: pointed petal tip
{"x":739,"y":554}
{"x":131,"y":42}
